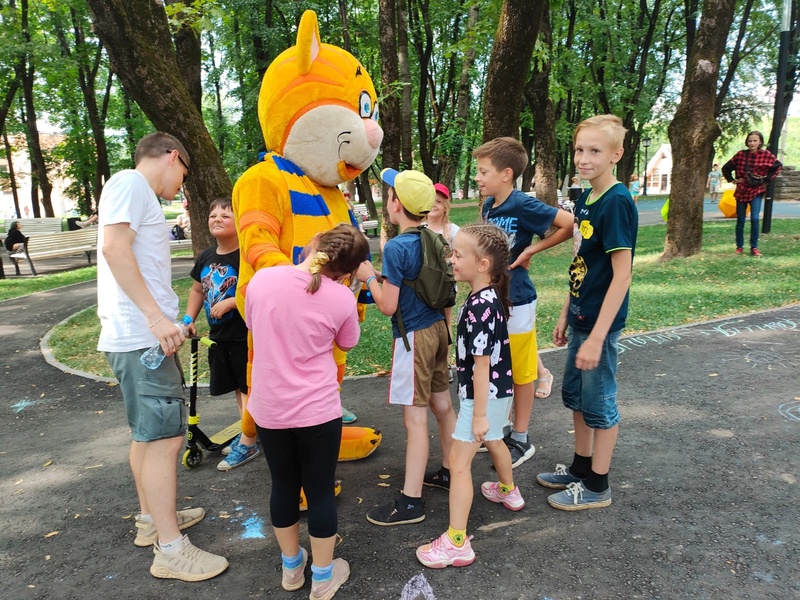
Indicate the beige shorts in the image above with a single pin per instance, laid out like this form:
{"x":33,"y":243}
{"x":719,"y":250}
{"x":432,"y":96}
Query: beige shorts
{"x":422,"y":371}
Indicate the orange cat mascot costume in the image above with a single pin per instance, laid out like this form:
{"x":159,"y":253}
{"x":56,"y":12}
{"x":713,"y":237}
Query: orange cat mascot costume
{"x":318,"y":111}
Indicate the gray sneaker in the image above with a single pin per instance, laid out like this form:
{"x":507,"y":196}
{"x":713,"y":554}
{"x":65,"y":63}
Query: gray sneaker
{"x":558,"y":479}
{"x":577,"y":497}
{"x":147,"y":534}
{"x":190,"y":564}
{"x":325,"y":590}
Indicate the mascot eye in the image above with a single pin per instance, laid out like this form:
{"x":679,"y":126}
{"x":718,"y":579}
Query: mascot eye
{"x":375,"y":113}
{"x":364,"y":105}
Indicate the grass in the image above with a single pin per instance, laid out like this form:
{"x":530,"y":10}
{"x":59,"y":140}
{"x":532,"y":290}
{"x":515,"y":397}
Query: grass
{"x":715,"y":283}
{"x":14,"y":288}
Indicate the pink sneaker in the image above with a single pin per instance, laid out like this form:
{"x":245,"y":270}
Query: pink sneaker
{"x":325,"y":590}
{"x":294,"y":579}
{"x":441,"y":553}
{"x":512,"y":501}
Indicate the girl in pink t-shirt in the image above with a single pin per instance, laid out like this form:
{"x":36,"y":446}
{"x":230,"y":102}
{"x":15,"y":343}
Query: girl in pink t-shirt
{"x":296,"y":314}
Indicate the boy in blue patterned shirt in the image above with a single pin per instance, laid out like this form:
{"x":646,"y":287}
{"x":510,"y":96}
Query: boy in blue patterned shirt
{"x":500,"y":162}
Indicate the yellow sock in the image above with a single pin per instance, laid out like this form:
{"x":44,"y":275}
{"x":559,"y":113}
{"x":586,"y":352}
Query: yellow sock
{"x":506,"y":489}
{"x":457,"y":536}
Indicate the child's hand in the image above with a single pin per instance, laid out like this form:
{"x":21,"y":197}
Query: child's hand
{"x":365,"y":271}
{"x":221,"y":308}
{"x":560,"y":333}
{"x":523,"y":260}
{"x":588,"y":356}
{"x":191,"y":330}
{"x":480,"y":427}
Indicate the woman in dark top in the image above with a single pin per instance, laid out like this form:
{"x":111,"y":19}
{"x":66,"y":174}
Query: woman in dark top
{"x":15,"y":240}
{"x":755,"y":168}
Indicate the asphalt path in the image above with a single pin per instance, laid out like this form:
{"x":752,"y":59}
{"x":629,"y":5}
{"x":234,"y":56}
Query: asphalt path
{"x":706,"y":500}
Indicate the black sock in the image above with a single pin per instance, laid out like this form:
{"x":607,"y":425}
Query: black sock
{"x":596,"y":482}
{"x":409,"y":500}
{"x":581,"y":466}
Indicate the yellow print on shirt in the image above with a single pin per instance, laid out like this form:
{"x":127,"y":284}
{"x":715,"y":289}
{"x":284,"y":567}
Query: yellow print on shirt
{"x":577,"y":273}
{"x":586,"y":229}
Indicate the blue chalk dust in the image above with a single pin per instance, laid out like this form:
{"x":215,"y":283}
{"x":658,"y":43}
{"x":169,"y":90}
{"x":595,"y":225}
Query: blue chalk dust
{"x":252,"y":527}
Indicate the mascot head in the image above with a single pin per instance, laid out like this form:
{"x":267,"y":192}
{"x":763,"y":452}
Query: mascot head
{"x":318,"y":108}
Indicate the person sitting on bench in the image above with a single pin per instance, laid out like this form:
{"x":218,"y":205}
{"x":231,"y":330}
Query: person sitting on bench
{"x":15,"y":240}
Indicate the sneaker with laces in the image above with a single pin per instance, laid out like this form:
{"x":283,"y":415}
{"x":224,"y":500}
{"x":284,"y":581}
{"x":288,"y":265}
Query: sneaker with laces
{"x":512,"y":500}
{"x":755,"y":252}
{"x":190,"y":564}
{"x":558,"y":479}
{"x":325,"y":590}
{"x":520,"y":451}
{"x":397,"y":513}
{"x":577,"y":497}
{"x":348,"y":416}
{"x":294,"y":579}
{"x":229,"y":448}
{"x":739,"y":251}
{"x":441,"y":553}
{"x":239,"y":456}
{"x":440,"y":479}
{"x":147,"y":534}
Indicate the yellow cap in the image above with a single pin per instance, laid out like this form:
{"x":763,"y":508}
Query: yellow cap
{"x":413,"y":189}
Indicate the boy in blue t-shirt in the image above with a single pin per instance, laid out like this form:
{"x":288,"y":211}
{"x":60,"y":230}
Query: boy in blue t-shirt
{"x":500,"y":162}
{"x":419,"y":375}
{"x":595,"y":312}
{"x":215,"y":277}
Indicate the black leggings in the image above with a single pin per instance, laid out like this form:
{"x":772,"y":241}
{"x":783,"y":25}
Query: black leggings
{"x":307,"y":457}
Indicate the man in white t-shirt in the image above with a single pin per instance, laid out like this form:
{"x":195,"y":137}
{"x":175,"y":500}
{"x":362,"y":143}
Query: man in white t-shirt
{"x":137,"y":308}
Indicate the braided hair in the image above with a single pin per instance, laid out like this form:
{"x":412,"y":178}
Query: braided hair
{"x":337,"y":252}
{"x":491,"y":243}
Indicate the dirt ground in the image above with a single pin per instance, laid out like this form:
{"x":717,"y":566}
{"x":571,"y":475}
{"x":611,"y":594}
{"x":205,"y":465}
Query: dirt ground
{"x":706,"y":500}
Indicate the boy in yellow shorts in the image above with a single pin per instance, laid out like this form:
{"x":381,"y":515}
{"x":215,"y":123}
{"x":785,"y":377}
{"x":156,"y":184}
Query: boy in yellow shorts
{"x":500,"y":162}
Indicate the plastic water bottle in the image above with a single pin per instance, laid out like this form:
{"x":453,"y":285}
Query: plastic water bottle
{"x":154,"y":356}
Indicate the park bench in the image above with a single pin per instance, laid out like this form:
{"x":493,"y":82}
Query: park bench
{"x":42,"y":225}
{"x":53,"y":245}
{"x":367,"y":225}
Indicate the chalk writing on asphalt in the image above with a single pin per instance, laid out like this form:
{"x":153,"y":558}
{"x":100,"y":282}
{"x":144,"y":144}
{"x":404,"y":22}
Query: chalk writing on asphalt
{"x":726,"y":329}
{"x":417,"y":588}
{"x":790,"y":410}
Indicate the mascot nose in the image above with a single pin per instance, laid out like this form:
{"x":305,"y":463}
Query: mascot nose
{"x":374,"y":133}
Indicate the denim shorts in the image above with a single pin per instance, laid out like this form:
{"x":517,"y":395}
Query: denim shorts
{"x":497,"y":411}
{"x":153,"y":398}
{"x":593,"y":393}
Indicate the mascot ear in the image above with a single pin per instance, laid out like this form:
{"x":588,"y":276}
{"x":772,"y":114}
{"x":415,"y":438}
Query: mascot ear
{"x":308,"y":42}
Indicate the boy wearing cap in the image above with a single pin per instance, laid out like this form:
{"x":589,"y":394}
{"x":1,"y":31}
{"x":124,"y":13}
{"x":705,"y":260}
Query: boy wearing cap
{"x":419,"y":375}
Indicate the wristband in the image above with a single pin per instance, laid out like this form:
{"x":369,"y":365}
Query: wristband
{"x":156,"y":322}
{"x":369,"y":279}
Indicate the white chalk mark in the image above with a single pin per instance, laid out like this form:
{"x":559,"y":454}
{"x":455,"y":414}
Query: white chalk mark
{"x":417,"y":587}
{"x":500,"y":524}
{"x":790,"y":410}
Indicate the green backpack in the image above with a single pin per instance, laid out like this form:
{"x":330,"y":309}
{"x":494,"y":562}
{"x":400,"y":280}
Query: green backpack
{"x":435,"y":284}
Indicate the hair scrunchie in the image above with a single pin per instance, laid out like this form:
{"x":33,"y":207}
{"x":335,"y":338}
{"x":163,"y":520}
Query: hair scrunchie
{"x":320,"y":259}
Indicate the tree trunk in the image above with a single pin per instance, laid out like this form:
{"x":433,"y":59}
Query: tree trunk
{"x":544,"y":124}
{"x":464,"y":95}
{"x":38,"y":166}
{"x":187,"y":49}
{"x":693,"y":130}
{"x":390,"y":111}
{"x":407,"y":158}
{"x":511,"y":56}
{"x":136,"y":34}
{"x":12,"y":177}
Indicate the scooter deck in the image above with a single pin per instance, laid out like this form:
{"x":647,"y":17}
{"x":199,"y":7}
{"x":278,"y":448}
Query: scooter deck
{"x":224,"y":436}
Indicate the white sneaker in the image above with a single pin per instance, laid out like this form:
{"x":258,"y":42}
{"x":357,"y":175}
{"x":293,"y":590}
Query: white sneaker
{"x":190,"y":564}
